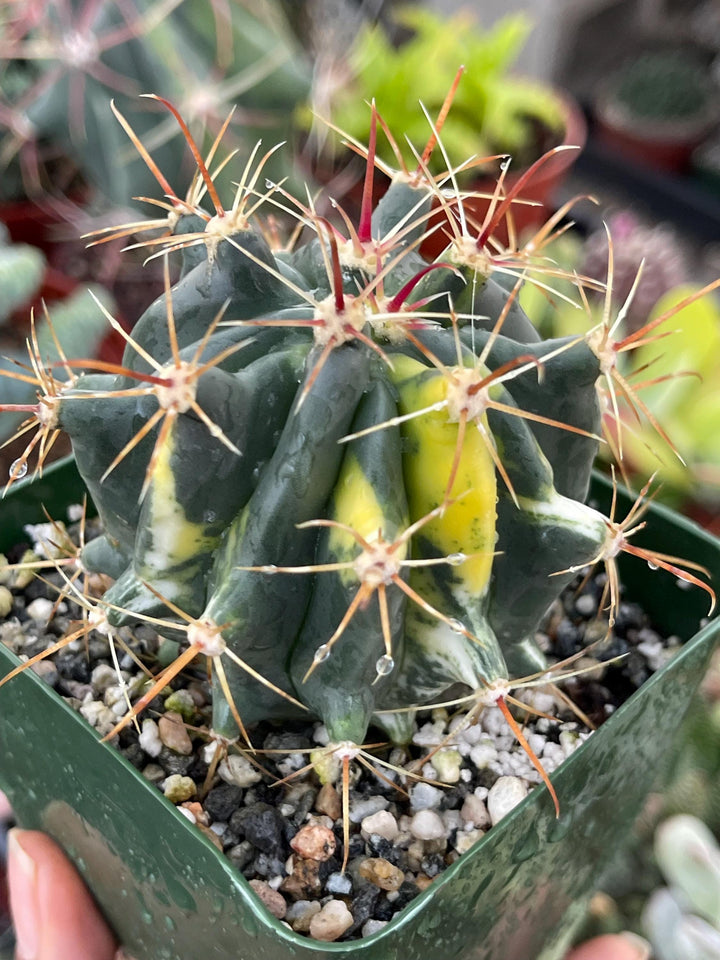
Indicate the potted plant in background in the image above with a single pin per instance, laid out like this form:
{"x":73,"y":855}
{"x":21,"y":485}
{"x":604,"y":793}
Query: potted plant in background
{"x":657,"y":108}
{"x":495,"y":113}
{"x":343,"y":568}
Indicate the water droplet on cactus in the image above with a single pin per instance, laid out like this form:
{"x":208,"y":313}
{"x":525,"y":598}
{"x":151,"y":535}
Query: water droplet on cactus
{"x":505,"y":163}
{"x":455,"y":559}
{"x":652,"y":566}
{"x":456,"y":626}
{"x":18,"y":469}
{"x":269,"y":568}
{"x":322,"y":653}
{"x":385,"y":665}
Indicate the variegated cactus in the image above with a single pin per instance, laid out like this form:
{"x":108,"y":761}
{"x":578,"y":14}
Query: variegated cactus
{"x":348,"y":477}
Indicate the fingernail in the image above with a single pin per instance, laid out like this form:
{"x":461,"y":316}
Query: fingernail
{"x":22,"y":873}
{"x":640,"y":945}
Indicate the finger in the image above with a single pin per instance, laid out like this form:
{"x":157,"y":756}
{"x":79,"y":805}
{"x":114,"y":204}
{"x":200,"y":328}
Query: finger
{"x":5,"y":810}
{"x":621,"y":946}
{"x":54,"y":915}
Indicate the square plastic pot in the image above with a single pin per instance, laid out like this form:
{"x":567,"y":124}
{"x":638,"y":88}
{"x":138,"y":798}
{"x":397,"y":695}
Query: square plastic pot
{"x":518,"y":893}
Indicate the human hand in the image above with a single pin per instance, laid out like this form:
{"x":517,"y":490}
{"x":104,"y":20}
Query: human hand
{"x":55,"y":917}
{"x":623,"y":946}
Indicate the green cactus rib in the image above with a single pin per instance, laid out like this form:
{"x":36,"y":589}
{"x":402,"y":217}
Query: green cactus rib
{"x":349,"y":478}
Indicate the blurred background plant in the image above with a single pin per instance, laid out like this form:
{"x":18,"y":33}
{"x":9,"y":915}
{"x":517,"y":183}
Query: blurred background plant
{"x":494,"y":111}
{"x":64,"y":62}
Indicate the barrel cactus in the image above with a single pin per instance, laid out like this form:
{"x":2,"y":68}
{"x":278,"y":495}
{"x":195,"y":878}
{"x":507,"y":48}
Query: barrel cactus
{"x":348,"y":477}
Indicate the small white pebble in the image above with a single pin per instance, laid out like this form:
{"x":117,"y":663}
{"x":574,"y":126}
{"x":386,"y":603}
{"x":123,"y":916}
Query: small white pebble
{"x":99,"y":716}
{"x":238,"y":771}
{"x":483,"y":754}
{"x":372,"y":926}
{"x":331,"y":922}
{"x":465,"y":840}
{"x":474,"y":811}
{"x":427,"y":825}
{"x":382,"y":824}
{"x":40,"y":609}
{"x":424,"y":796}
{"x":430,"y":734}
{"x":505,"y":794}
{"x":102,"y":677}
{"x":367,"y":807}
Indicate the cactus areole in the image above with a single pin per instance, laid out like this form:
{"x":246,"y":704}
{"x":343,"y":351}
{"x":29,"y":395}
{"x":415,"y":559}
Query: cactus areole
{"x":348,"y":478}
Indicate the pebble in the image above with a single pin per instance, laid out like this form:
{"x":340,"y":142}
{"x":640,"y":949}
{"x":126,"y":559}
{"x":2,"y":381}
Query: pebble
{"x":466,"y":838}
{"x":424,"y":796}
{"x":274,"y":901}
{"x":99,"y":716}
{"x":339,"y":883}
{"x":300,"y":913}
{"x":149,"y":738}
{"x":178,"y":788}
{"x":172,"y":732}
{"x":382,"y":824}
{"x":40,"y":609}
{"x":474,"y":811}
{"x":331,"y":922}
{"x":505,"y":793}
{"x":427,"y":825}
{"x":314,"y":842}
{"x":447,"y":765}
{"x":222,"y":801}
{"x":263,"y":826}
{"x":372,"y":926}
{"x":239,"y":771}
{"x":483,"y":754}
{"x":154,"y":773}
{"x":6,"y":601}
{"x":304,"y":881}
{"x":367,"y":807}
{"x":182,"y":702}
{"x":102,"y":677}
{"x":382,"y":873}
{"x":328,"y":801}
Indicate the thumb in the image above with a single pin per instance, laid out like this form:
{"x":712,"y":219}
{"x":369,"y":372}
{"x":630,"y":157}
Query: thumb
{"x":620,"y":946}
{"x":54,"y":915}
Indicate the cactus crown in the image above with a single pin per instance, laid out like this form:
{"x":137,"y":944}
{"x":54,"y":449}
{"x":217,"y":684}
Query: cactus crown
{"x":348,"y":477}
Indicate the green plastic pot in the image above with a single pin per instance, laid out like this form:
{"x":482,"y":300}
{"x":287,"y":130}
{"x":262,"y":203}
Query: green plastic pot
{"x":518,"y":893}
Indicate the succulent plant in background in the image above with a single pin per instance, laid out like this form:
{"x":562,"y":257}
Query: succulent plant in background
{"x":494,"y":112}
{"x":62,"y":62}
{"x":683,"y":920}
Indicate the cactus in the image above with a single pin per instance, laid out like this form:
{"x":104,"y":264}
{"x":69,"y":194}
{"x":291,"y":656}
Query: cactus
{"x":683,"y":922}
{"x":348,"y":478}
